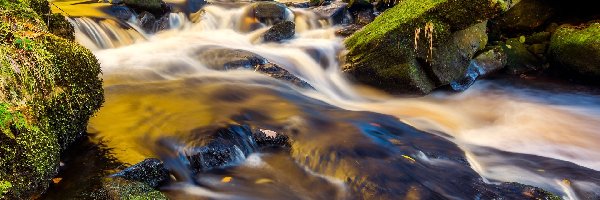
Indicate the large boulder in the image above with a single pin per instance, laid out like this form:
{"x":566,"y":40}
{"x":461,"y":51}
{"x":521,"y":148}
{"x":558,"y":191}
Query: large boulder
{"x":50,"y":88}
{"x":576,"y":49}
{"x":402,"y":48}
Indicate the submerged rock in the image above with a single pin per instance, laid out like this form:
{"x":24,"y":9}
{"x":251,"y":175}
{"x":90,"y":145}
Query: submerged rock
{"x":281,"y":31}
{"x":225,"y":146}
{"x":219,"y":58}
{"x":150,"y":171}
{"x":408,"y":48}
{"x":51,"y":87}
{"x":576,"y":49}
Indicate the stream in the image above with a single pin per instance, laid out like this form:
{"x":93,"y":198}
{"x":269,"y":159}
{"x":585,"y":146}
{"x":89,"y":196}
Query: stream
{"x":349,"y":141}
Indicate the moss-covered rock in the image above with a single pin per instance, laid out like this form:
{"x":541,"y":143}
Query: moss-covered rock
{"x":576,"y":49}
{"x":396,"y":51}
{"x":119,"y":188}
{"x":50,"y":87}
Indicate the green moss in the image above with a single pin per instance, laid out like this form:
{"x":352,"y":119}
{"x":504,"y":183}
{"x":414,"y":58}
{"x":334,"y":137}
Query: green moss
{"x":4,"y":187}
{"x":30,"y":156}
{"x":118,"y":188}
{"x":50,"y":88}
{"x":389,"y":42}
{"x":59,"y":26}
{"x":577,"y":50}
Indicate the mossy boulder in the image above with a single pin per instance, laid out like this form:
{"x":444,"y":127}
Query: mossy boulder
{"x":576,"y":49}
{"x":50,"y":88}
{"x":525,"y":16}
{"x":402,"y":48}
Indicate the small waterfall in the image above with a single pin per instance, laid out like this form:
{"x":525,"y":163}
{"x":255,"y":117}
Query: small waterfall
{"x":106,"y":33}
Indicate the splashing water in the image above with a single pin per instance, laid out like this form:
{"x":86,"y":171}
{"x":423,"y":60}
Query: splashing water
{"x":157,"y":87}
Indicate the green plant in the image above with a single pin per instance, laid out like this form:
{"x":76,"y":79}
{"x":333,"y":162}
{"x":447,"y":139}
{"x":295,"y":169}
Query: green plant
{"x":24,"y":43}
{"x":4,"y":187}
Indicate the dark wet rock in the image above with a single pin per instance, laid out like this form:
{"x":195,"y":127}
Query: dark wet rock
{"x":121,"y":12}
{"x":281,"y":31}
{"x":147,"y":21}
{"x":266,"y":13}
{"x":520,"y":60}
{"x":346,"y":31}
{"x":150,"y":24}
{"x":337,"y":12}
{"x":484,"y":64}
{"x":490,"y":61}
{"x":409,"y":48}
{"x":576,"y":49}
{"x":467,"y":80}
{"x":229,"y":59}
{"x":225,"y":146}
{"x":525,"y":16}
{"x":150,"y":171}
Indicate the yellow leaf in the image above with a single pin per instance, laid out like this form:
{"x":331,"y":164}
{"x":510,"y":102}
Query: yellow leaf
{"x":409,"y":158}
{"x":226,"y":179}
{"x":56,"y":180}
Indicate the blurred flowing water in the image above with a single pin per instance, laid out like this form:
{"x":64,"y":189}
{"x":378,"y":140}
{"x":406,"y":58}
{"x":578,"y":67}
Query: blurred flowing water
{"x":157,"y":87}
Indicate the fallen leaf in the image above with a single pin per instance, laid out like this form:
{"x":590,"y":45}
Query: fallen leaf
{"x":409,"y":158}
{"x":226,"y":179}
{"x":56,"y":180}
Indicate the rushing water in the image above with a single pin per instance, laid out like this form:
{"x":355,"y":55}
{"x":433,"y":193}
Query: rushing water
{"x":156,"y":88}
